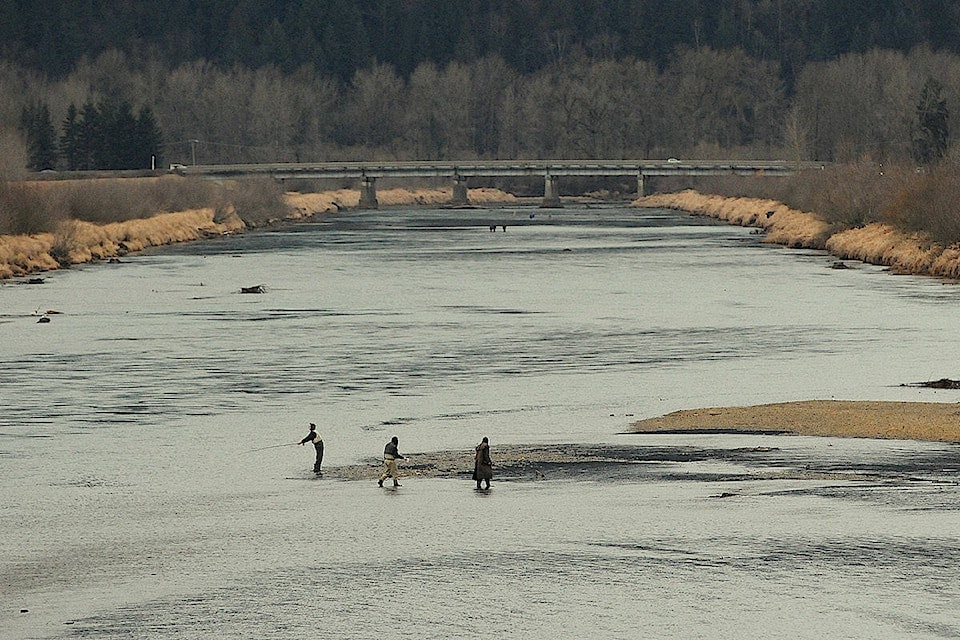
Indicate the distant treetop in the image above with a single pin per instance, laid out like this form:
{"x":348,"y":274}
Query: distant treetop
{"x":338,"y":37}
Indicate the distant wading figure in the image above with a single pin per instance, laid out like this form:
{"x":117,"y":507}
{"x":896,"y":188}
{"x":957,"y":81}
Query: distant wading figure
{"x":390,"y":456}
{"x":317,"y":441}
{"x":482,"y":465}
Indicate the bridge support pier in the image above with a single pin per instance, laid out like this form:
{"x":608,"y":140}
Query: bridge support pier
{"x":640,"y":192}
{"x":368,"y":194}
{"x":551,"y":192}
{"x":460,"y":196}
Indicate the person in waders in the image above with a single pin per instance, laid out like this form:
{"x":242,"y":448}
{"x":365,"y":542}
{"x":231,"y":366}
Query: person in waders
{"x":482,"y":465}
{"x":317,"y":441}
{"x":390,"y":456}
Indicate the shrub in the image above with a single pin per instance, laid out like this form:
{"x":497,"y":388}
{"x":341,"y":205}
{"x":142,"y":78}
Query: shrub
{"x":258,"y":201}
{"x":929,"y":204}
{"x":27,"y":209}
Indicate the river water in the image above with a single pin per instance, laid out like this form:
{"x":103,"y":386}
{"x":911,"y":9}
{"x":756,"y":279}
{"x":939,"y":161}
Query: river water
{"x":148,"y":487}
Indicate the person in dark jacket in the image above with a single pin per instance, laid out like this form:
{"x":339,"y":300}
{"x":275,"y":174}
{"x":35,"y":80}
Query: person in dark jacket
{"x":390,"y":456}
{"x":482,"y":465}
{"x":317,"y":441}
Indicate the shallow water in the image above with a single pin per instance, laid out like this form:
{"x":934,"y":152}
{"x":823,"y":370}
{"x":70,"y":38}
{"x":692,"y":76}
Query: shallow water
{"x":138,"y":498}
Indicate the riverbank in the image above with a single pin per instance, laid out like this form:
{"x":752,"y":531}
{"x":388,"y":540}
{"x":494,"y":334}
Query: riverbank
{"x":875,"y":243}
{"x":78,"y":242}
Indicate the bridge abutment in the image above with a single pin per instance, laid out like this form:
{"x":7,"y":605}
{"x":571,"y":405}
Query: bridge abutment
{"x":368,"y":194}
{"x":460,"y":195}
{"x":551,"y":192}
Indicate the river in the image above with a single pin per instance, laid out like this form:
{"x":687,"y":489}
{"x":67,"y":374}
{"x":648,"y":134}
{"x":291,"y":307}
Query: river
{"x":149,"y":486}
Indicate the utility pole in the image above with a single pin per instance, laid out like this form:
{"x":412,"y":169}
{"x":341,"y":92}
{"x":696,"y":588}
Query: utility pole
{"x":193,"y":150}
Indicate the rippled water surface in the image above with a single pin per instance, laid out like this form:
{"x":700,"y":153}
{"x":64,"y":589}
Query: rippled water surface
{"x":147,"y":488}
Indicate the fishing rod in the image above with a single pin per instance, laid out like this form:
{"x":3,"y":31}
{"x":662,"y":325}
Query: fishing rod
{"x":273,"y":446}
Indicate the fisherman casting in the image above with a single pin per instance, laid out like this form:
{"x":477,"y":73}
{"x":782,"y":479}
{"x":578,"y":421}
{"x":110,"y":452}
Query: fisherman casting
{"x":317,"y":441}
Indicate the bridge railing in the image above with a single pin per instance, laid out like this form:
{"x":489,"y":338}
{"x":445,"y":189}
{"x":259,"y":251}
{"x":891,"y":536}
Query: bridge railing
{"x":498,"y":168}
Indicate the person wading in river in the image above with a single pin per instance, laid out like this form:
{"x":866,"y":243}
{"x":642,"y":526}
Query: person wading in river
{"x":317,"y":441}
{"x":482,"y":465}
{"x":390,"y":456}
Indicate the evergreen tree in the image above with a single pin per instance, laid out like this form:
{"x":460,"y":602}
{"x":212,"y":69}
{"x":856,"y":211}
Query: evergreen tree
{"x":90,"y":142}
{"x":117,"y":134}
{"x":933,"y":123}
{"x":148,"y":140}
{"x":107,"y":136}
{"x":41,"y":137}
{"x":70,"y":144}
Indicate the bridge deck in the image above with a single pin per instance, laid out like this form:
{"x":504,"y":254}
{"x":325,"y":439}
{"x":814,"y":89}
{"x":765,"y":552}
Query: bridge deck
{"x":497,"y":168}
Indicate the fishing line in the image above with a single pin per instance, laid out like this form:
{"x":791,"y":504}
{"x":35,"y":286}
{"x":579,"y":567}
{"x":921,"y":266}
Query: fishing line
{"x":273,"y":446}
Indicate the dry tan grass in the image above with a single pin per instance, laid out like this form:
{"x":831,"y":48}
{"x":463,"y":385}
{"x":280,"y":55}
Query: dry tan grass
{"x":20,"y":255}
{"x":783,"y":225}
{"x":861,"y":419}
{"x":438,"y":197}
{"x":305,"y":205}
{"x":77,"y":241}
{"x":875,"y":243}
{"x":882,"y":244}
{"x":308,"y":204}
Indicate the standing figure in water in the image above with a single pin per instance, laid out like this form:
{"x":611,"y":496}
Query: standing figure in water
{"x":317,"y":441}
{"x":391,"y":454}
{"x":482,"y":465}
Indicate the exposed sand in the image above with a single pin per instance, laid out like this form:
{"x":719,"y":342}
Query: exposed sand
{"x":861,"y":419}
{"x":510,"y":462}
{"x":84,"y":242}
{"x":904,"y":253}
{"x":840,"y":418}
{"x":874,"y":243}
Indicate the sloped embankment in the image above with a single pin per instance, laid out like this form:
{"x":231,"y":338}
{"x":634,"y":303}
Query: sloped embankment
{"x":77,"y":242}
{"x":881,"y":244}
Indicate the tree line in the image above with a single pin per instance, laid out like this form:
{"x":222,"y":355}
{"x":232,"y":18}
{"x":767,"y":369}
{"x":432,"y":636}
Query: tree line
{"x":338,"y":38}
{"x":704,"y":103}
{"x":103,"y":136}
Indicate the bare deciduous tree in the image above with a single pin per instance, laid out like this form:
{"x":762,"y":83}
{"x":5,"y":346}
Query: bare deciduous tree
{"x":371,"y":117}
{"x":723,"y":98}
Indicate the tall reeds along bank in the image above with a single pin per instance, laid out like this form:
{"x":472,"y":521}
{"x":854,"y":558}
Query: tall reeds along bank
{"x":77,"y":241}
{"x":41,"y":206}
{"x":916,"y":233}
{"x":52,"y":224}
{"x":783,"y":225}
{"x":55,"y":224}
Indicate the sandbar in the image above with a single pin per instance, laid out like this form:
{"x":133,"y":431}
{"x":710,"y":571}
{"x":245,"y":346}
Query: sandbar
{"x":931,"y":421}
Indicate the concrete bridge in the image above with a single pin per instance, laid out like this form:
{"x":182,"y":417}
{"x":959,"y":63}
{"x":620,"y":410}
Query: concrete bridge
{"x":461,"y":171}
